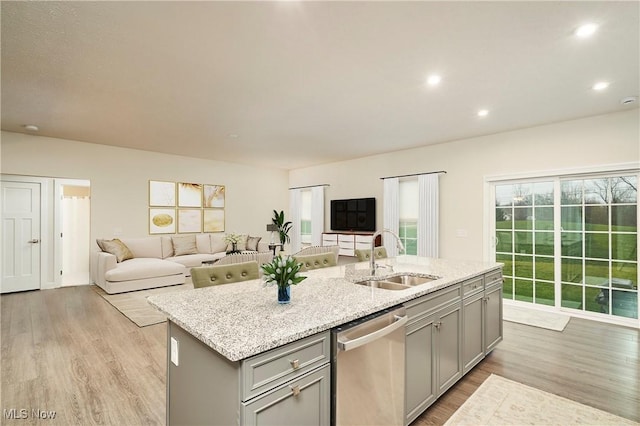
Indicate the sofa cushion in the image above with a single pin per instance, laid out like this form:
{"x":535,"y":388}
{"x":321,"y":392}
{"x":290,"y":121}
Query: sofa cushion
{"x":184,"y":244}
{"x":192,"y":260}
{"x":145,"y":246}
{"x":218,"y":244}
{"x":116,"y":248}
{"x":252,"y":243}
{"x":203,"y":243}
{"x":242,"y":243}
{"x":167,"y":246}
{"x":141,"y":268}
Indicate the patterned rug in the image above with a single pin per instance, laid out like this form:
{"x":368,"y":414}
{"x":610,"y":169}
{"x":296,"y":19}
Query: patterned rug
{"x":535,"y":317}
{"x":499,"y":401}
{"x":134,"y":305}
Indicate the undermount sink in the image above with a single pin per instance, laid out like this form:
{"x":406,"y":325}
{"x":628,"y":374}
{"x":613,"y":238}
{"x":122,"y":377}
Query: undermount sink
{"x":398,"y":282}
{"x":410,"y":280}
{"x":383,"y":284}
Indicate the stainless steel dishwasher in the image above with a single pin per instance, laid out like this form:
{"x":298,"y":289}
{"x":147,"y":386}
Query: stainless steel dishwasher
{"x":368,"y":370}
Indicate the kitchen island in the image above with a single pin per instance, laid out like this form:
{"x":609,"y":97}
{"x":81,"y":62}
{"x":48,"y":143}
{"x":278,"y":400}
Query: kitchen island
{"x":241,"y":356}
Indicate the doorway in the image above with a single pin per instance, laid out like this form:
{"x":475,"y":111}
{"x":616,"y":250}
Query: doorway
{"x":74,"y":227}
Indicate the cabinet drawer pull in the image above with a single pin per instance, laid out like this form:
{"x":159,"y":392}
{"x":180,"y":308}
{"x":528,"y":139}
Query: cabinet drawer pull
{"x":295,"y":364}
{"x":295,"y":390}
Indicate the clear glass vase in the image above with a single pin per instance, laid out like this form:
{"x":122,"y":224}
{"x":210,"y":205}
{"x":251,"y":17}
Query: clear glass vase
{"x":284,"y":295}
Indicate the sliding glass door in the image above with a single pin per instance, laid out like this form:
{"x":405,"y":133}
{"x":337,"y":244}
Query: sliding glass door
{"x":570,"y":242}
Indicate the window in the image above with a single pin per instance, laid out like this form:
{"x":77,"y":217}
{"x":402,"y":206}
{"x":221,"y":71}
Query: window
{"x":524,"y":240}
{"x":570,"y":242}
{"x":305,"y":217}
{"x":408,"y":226}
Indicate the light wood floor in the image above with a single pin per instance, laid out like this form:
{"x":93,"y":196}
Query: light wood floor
{"x":70,"y":351}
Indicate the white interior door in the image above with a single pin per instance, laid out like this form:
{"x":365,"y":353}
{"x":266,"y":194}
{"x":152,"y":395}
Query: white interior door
{"x":20,"y":236}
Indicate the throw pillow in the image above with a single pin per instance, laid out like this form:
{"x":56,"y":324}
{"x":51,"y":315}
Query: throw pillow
{"x":252,"y":243}
{"x":242,"y":243}
{"x":184,"y":244}
{"x":218,"y":243}
{"x":116,"y":248}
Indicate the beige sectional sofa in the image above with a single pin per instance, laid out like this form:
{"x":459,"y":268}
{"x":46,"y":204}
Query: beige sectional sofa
{"x":157,"y":261}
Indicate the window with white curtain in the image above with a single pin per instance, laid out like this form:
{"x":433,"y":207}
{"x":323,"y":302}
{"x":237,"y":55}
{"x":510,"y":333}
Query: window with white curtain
{"x":408,"y":225}
{"x":305,"y":217}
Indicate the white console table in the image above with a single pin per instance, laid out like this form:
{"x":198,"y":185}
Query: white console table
{"x":348,"y":241}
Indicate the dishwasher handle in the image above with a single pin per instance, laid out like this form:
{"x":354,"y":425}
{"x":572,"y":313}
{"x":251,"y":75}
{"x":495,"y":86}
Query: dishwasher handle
{"x":355,"y":343}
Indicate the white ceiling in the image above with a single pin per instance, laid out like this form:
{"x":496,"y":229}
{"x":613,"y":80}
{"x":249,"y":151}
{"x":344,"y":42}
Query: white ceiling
{"x":293,"y":84}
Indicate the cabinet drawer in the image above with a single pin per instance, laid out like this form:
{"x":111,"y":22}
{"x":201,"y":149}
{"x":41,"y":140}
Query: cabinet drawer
{"x":272,"y":368}
{"x":329,"y":239}
{"x":427,"y":304}
{"x":345,"y":239}
{"x":303,"y":401}
{"x":364,"y":239}
{"x":472,"y":286}
{"x":347,"y":252}
{"x":493,"y":278}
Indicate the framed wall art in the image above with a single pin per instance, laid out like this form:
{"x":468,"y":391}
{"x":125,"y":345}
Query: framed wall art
{"x":213,"y":196}
{"x":162,"y":221}
{"x":213,"y":220}
{"x":189,"y":194}
{"x":162,"y":194}
{"x":189,"y":220}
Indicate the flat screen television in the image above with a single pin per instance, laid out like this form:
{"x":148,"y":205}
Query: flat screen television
{"x":356,"y":214}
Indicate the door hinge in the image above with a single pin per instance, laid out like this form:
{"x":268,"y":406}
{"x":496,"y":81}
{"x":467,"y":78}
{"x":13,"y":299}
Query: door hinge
{"x":60,"y":272}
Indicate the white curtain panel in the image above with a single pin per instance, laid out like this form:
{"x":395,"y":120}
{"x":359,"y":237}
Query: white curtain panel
{"x":294,"y":208}
{"x":317,"y":215}
{"x":428,"y":215}
{"x":391,"y":213}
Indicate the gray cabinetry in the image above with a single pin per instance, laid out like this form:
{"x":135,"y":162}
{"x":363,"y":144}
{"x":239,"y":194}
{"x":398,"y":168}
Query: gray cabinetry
{"x":433,"y":348}
{"x":482,"y":317}
{"x":286,"y":385}
{"x":492,"y":312}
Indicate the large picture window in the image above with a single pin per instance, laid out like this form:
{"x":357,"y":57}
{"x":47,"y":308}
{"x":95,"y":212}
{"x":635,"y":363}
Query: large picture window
{"x":570,"y":242}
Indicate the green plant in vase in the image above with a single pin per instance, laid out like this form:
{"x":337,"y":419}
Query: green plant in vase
{"x":283,"y":227}
{"x":232,"y":239}
{"x":283,"y":272}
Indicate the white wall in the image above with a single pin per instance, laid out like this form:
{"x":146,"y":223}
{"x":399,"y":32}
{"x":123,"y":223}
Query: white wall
{"x":120,"y":179}
{"x":601,"y":140}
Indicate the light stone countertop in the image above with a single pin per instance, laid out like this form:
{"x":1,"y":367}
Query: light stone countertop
{"x":243,"y":319}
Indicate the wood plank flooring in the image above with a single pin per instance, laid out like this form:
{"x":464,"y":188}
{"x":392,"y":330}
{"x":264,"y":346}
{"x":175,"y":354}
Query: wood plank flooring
{"x":70,"y":351}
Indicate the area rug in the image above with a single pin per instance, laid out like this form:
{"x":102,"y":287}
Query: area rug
{"x":535,"y":317}
{"x":499,"y":401}
{"x":134,"y":305}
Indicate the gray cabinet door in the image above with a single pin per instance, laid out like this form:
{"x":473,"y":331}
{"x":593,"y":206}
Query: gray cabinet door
{"x":472,"y":331}
{"x":420,"y":389}
{"x":448,"y":347}
{"x":304,"y":401}
{"x":493,"y":317}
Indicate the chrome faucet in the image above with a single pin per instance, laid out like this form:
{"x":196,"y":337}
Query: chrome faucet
{"x":372,"y":258}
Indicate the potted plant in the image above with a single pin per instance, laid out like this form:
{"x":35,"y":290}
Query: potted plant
{"x":283,"y":227}
{"x":232,"y":239}
{"x":282,"y":271}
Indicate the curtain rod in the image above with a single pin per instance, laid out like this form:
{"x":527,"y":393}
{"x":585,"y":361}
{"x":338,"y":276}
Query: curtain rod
{"x":414,"y":174}
{"x":309,"y":186}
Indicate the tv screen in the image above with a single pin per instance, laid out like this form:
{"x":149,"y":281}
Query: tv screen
{"x":357,"y":214}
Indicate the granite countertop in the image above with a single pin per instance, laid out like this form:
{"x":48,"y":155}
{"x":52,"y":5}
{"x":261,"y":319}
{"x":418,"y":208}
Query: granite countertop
{"x":243,"y":319}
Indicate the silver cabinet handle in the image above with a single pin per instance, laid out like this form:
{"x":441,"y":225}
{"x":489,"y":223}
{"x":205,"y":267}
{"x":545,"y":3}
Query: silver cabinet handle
{"x":34,"y":241}
{"x":295,"y":364}
{"x":295,"y":390}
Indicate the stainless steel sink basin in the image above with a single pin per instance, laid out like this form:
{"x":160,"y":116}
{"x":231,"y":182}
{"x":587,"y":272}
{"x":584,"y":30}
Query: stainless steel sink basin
{"x":398,"y":282}
{"x":410,"y":280}
{"x":384,"y":284}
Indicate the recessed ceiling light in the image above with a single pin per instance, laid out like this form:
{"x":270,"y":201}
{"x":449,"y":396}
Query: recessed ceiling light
{"x":586,"y":30}
{"x":31,"y":127}
{"x":601,"y":85}
{"x":434,"y":80}
{"x":629,"y":100}
{"x":483,"y":112}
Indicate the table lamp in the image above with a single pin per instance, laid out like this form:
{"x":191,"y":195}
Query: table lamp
{"x":272,"y":228}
